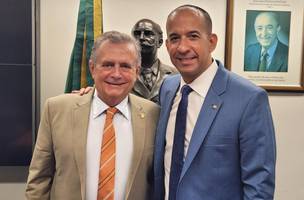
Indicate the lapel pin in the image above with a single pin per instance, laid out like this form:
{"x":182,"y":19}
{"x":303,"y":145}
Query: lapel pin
{"x":214,"y":106}
{"x":142,"y":115}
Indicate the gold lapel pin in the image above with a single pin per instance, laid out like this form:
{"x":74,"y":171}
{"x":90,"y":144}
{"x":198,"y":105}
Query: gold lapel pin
{"x":142,"y":115}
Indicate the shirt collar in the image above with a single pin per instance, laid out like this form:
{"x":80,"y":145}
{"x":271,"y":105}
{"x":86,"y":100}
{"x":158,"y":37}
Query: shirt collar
{"x":270,"y":51}
{"x":99,"y":107}
{"x":202,"y":83}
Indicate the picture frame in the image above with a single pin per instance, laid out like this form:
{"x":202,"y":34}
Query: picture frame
{"x":265,"y":27}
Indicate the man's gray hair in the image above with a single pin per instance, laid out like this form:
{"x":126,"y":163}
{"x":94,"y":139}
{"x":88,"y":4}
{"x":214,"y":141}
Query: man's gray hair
{"x":115,"y":37}
{"x":270,"y":13}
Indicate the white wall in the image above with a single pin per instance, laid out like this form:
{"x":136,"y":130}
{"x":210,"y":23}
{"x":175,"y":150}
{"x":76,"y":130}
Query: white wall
{"x":287,"y":111}
{"x":58,"y":21}
{"x":58,"y":28}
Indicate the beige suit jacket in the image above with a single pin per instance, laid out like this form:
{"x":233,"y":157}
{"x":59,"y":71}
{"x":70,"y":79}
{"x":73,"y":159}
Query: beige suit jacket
{"x":57,"y":170}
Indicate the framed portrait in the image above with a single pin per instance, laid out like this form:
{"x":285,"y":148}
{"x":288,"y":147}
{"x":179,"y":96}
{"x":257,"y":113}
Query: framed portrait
{"x":265,"y":42}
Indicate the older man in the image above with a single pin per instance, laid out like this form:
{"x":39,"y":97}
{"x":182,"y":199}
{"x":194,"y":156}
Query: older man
{"x":97,"y":146}
{"x":268,"y":54}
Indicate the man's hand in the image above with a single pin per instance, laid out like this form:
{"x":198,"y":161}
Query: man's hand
{"x":83,"y":91}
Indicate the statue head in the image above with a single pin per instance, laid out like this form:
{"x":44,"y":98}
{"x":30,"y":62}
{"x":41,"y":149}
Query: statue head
{"x":149,"y":35}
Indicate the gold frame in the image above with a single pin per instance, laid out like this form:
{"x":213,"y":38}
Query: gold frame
{"x":229,"y":45}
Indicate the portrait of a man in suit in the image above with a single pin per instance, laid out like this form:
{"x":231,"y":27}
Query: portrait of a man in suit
{"x":267,"y":52}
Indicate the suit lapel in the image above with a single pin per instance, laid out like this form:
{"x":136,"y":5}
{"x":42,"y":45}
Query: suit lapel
{"x":206,"y":116}
{"x":80,"y":122}
{"x":208,"y":112}
{"x":277,"y":60}
{"x":140,"y":88}
{"x":160,"y":140}
{"x":155,"y":88}
{"x":163,"y":72}
{"x":138,"y":116}
{"x":256,"y":58}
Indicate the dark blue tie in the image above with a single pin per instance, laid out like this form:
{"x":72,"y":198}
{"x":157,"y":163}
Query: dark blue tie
{"x":177,"y":160}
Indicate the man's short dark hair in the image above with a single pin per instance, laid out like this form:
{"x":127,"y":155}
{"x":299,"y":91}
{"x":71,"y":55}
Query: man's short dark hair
{"x":206,"y":15}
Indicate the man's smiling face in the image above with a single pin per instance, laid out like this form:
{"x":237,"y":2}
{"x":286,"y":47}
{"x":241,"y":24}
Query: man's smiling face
{"x":115,"y":71}
{"x":189,"y":43}
{"x":266,"y":29}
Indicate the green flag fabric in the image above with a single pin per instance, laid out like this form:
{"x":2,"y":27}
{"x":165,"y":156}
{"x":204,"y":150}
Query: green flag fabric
{"x":89,"y":26}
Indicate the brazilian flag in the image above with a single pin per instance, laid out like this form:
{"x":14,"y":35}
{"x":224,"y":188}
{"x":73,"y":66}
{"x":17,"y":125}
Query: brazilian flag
{"x":89,"y":26}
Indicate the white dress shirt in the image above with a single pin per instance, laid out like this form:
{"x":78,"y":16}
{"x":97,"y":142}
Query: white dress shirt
{"x":124,"y":147}
{"x":270,"y":51}
{"x":196,"y":99}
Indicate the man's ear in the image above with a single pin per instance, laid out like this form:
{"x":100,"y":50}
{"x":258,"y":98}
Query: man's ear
{"x":91,"y":67}
{"x":212,"y":41}
{"x":137,"y":70}
{"x":160,"y":42}
{"x":167,"y":44}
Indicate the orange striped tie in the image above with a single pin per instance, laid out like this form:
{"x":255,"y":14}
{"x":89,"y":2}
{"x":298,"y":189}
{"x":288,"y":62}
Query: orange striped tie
{"x":107,"y":159}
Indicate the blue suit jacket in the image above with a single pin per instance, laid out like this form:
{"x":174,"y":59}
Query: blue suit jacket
{"x":279,"y":61}
{"x":232,"y":153}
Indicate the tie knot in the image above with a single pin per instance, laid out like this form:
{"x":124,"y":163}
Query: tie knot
{"x":186,"y":89}
{"x":111,"y":111}
{"x":265,"y":54}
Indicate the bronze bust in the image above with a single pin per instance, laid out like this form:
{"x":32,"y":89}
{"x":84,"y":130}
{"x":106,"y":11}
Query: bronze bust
{"x":150,"y":37}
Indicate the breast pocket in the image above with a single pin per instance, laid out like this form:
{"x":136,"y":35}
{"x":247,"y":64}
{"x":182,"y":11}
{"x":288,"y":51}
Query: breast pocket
{"x":218,"y":140}
{"x":219,"y":152}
